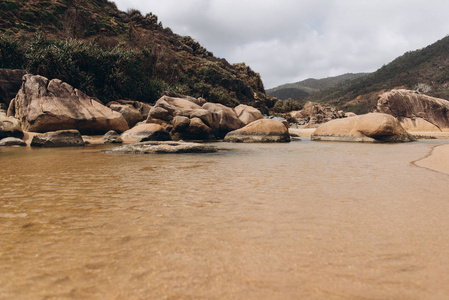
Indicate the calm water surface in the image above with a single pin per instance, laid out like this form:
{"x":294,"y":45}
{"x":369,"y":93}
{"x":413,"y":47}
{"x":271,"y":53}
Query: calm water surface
{"x":304,"y":220}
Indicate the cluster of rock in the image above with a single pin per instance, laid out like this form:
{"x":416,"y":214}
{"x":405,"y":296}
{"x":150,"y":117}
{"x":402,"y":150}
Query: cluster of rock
{"x":189,"y":118}
{"x":314,"y":114}
{"x":415,"y":111}
{"x":60,"y":113}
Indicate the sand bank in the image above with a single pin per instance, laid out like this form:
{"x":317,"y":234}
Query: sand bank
{"x":437,"y":160}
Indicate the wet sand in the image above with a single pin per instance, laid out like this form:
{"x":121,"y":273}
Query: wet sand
{"x":437,"y":160}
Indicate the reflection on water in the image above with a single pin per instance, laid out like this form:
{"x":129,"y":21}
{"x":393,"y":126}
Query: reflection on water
{"x":289,"y":221}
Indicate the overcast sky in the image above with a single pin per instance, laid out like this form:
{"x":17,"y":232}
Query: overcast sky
{"x":291,"y":40}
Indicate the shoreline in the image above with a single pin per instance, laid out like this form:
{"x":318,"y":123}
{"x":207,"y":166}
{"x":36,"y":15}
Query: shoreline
{"x":437,"y":160}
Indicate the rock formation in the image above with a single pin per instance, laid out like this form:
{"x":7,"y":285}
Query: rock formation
{"x":161,"y":147}
{"x":415,"y":111}
{"x":12,"y":141}
{"x":260,"y":131}
{"x":247,"y":114}
{"x":314,"y":114}
{"x":9,"y":127}
{"x":373,"y":127}
{"x":189,"y":118}
{"x":60,"y":138}
{"x":44,"y":105}
{"x":145,"y":132}
{"x":112,"y":137}
{"x":131,"y":115}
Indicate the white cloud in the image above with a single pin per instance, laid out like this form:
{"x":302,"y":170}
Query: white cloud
{"x":290,"y":40}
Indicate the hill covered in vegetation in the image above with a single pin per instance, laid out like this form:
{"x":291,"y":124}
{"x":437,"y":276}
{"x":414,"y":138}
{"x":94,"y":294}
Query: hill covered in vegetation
{"x":302,"y":89}
{"x":425,"y":70}
{"x":113,"y":55}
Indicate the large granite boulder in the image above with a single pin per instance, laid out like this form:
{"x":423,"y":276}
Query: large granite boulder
{"x":373,"y":127}
{"x":12,"y":141}
{"x":161,"y":147}
{"x":247,"y":114}
{"x":9,"y":127}
{"x":190,"y":118}
{"x":44,"y":105}
{"x":10,"y":83}
{"x":260,"y":131}
{"x":145,"y":132}
{"x":60,"y":138}
{"x":415,"y":111}
{"x":228,"y":119}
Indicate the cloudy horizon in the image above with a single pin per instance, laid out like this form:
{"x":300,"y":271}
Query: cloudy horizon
{"x":288,"y":41}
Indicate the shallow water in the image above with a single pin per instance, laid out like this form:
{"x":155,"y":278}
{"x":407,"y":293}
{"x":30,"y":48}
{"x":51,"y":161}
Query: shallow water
{"x":304,"y":220}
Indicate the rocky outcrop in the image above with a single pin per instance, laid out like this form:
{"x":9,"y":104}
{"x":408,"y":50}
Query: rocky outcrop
{"x":260,"y":131}
{"x":131,"y":115}
{"x":142,"y":107}
{"x":373,"y":127}
{"x":190,"y":118}
{"x":60,"y":138}
{"x":10,"y":83}
{"x":314,"y":114}
{"x":161,"y":147}
{"x":43,"y":105}
{"x":227,"y":121}
{"x":415,"y":111}
{"x":12,"y":141}
{"x":247,"y":114}
{"x":145,"y":132}
{"x":9,"y":127}
{"x":112,"y":137}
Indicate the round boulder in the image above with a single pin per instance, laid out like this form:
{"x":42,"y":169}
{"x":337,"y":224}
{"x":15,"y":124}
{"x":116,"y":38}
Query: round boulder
{"x":60,"y":138}
{"x":145,"y":132}
{"x":373,"y":127}
{"x":260,"y":131}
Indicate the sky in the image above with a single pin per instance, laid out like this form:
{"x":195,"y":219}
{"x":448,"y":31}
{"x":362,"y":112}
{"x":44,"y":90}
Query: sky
{"x":288,"y":41}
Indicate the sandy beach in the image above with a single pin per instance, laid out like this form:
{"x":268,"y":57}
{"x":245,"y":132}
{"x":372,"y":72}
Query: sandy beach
{"x":437,"y":160}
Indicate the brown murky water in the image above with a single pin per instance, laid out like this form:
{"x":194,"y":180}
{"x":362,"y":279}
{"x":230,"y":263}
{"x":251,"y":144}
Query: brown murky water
{"x":294,"y":221}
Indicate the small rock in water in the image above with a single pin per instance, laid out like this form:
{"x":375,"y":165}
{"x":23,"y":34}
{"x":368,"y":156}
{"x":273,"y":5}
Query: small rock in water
{"x":11,"y":141}
{"x":161,"y":147}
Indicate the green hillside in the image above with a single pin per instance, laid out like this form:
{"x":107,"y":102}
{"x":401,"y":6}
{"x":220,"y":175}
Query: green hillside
{"x":113,"y":55}
{"x":426,"y":70}
{"x":303,"y":89}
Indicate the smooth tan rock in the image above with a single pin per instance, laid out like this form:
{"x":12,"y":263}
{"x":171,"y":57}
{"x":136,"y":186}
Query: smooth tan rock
{"x":10,"y":127}
{"x":247,"y":114}
{"x":145,"y":132}
{"x":226,"y":120}
{"x":43,"y":105}
{"x":60,"y":138}
{"x":373,"y":127}
{"x":260,"y":131}
{"x":415,"y":111}
{"x":131,"y":115}
{"x":12,"y":141}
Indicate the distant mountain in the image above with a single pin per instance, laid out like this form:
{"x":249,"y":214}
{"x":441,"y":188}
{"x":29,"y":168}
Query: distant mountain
{"x":111,"y":54}
{"x":301,"y":90}
{"x":425,"y":70}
